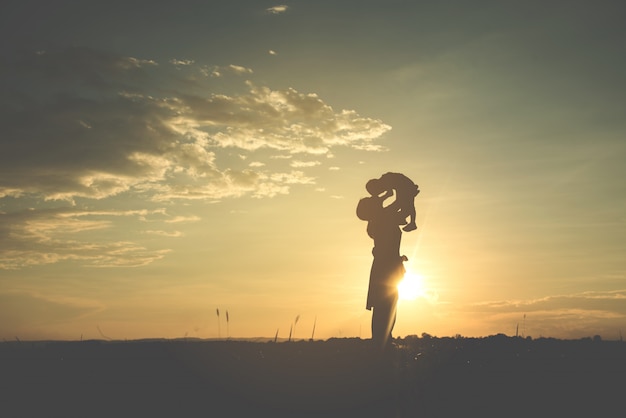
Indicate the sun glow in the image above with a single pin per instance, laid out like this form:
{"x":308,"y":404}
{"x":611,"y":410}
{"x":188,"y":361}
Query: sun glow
{"x":411,"y":287}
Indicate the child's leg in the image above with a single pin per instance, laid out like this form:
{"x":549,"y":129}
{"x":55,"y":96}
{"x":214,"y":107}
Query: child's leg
{"x":398,"y":206}
{"x":410,"y":210}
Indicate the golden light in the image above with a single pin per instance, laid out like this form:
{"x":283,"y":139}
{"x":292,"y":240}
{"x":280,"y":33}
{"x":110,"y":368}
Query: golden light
{"x":411,"y":287}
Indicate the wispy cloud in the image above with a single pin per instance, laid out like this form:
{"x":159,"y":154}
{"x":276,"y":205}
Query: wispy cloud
{"x":181,"y":62}
{"x":73,"y":305}
{"x":170,"y":234}
{"x":573,"y":315}
{"x":218,"y":71}
{"x":180,"y":219}
{"x":281,"y":8}
{"x":300,"y":164}
{"x":238,"y":69}
{"x":36,"y":237}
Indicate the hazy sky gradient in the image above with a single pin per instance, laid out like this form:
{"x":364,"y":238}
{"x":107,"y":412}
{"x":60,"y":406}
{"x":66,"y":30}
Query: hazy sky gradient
{"x":160,"y":160}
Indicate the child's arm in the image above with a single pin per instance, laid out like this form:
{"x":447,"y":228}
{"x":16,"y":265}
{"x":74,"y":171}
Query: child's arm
{"x":387,"y":194}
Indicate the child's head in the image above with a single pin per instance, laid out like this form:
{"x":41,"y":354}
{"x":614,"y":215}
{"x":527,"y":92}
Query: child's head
{"x":374,"y":187}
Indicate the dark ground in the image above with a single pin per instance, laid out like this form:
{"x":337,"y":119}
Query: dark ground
{"x":496,"y":376}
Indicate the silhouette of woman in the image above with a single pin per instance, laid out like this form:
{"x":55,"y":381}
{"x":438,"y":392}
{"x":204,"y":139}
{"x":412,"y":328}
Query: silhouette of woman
{"x":383,"y":226}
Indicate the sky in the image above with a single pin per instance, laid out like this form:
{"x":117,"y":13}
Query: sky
{"x":161,"y":161}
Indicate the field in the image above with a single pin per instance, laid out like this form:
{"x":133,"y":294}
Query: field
{"x":495,"y":376}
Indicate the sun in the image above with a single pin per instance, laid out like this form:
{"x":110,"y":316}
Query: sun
{"x":411,"y":287}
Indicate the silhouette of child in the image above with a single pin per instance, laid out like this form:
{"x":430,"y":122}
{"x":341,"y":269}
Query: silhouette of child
{"x":405,"y":190}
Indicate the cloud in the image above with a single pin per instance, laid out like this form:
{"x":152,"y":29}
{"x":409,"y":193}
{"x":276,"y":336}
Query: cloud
{"x":283,"y":120}
{"x":562,"y":316}
{"x":37,"y":237}
{"x":181,"y":62}
{"x":26,"y":306}
{"x":301,"y":164}
{"x":180,"y":219}
{"x":591,"y":300}
{"x":237,"y":69}
{"x":219,"y":71}
{"x":277,"y":9}
{"x":170,"y":234}
{"x":80,"y":123}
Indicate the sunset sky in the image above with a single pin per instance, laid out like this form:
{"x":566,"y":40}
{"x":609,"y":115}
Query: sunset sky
{"x":161,"y":160}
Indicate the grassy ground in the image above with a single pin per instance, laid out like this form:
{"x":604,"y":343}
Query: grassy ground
{"x":496,"y":376}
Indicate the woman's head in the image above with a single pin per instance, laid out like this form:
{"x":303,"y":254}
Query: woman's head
{"x":368,"y":208}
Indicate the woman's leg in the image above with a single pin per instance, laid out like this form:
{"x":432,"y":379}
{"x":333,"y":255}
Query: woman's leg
{"x":383,"y":321}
